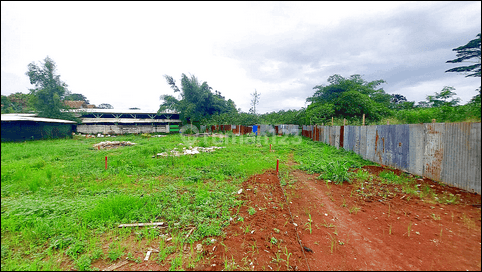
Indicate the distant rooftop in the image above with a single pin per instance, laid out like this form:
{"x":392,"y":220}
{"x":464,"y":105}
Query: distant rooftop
{"x":11,"y":117}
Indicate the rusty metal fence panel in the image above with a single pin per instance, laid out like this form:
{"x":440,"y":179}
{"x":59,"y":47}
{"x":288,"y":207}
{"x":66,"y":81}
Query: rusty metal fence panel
{"x":448,"y":153}
{"x":416,"y":150}
{"x":434,"y":151}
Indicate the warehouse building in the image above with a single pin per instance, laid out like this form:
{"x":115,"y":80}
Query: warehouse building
{"x":110,"y":121}
{"x":27,"y":126}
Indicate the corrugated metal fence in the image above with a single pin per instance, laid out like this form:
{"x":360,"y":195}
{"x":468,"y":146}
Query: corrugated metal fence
{"x":261,"y":129}
{"x":449,"y":153}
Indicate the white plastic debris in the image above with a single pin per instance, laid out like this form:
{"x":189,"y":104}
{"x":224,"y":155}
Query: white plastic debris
{"x":113,"y":144}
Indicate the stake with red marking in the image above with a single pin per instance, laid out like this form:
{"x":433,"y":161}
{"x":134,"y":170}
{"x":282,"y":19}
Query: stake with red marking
{"x":105,"y":162}
{"x":277,"y":165}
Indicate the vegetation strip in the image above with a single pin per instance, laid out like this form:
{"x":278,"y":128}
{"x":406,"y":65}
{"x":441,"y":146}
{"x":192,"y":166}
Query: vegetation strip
{"x":296,"y":227}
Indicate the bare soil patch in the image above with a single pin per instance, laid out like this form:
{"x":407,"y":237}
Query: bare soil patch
{"x":349,"y":231}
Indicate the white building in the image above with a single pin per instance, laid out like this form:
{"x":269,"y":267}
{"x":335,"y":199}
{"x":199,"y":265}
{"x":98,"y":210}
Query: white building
{"x":110,"y":121}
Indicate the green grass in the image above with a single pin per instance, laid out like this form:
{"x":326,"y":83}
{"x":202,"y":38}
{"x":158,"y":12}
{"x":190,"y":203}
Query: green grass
{"x":59,"y":204}
{"x":332,"y":163}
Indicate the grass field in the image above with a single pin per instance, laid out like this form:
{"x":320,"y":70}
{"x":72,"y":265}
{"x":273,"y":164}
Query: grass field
{"x":60,"y":205}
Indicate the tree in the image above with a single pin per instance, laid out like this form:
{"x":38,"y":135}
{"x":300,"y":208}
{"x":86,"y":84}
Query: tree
{"x":464,"y":53}
{"x":441,"y":99}
{"x":76,"y":97}
{"x":196,"y":101}
{"x":349,"y":98}
{"x":17,"y":103}
{"x":49,"y":90}
{"x":397,"y":99}
{"x":254,"y":101}
{"x":339,"y":85}
{"x":319,"y":113}
{"x":105,"y":106}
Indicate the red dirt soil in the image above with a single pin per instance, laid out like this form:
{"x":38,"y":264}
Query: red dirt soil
{"x":348,"y":231}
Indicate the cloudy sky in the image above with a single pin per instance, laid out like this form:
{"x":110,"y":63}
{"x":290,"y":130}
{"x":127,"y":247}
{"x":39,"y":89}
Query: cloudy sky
{"x":118,"y":52}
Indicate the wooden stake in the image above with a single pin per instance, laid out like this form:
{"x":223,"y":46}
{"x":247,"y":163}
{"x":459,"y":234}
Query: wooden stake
{"x":332,"y":121}
{"x":433,"y":120}
{"x":277,"y":165}
{"x":344,"y":121}
{"x":388,"y":122}
{"x":363,"y":119}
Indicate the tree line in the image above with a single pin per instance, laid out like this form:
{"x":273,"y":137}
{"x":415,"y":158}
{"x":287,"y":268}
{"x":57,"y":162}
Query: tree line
{"x":344,"y":99}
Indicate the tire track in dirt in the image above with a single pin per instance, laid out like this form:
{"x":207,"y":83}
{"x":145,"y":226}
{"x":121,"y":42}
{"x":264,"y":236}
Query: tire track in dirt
{"x":364,"y":251}
{"x":262,"y":236}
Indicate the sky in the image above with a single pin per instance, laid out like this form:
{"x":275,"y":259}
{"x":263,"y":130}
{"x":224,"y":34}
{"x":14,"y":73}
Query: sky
{"x":119,"y":52}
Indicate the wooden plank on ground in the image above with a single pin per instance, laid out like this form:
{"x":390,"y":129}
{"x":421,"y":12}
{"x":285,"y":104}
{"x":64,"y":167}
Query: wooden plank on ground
{"x":141,"y":224}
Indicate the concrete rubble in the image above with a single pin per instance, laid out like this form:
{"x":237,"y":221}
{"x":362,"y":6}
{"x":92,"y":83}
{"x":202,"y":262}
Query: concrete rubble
{"x":114,"y":144}
{"x":188,"y":151}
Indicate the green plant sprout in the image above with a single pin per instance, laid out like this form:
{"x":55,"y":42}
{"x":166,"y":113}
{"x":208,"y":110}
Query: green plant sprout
{"x":333,"y":243}
{"x":344,"y":203}
{"x":247,"y":229}
{"x":287,"y":258}
{"x":309,"y":223}
{"x":409,"y":228}
{"x":354,"y":209}
{"x":253,"y":247}
{"x":278,"y":258}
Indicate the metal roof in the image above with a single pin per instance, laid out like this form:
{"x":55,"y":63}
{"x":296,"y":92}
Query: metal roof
{"x":120,"y":111}
{"x":10,"y":117}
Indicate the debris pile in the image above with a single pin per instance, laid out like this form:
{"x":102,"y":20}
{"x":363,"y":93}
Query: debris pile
{"x":188,"y":151}
{"x":114,"y":144}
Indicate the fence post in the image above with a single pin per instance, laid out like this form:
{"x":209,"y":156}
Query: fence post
{"x":344,"y":121}
{"x":332,"y":121}
{"x":363,"y":120}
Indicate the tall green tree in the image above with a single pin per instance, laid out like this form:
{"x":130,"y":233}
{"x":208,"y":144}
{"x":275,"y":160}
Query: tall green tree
{"x":468,"y":52}
{"x":196,"y":100}
{"x":49,"y":90}
{"x":442,"y":98}
{"x":348,"y":98}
